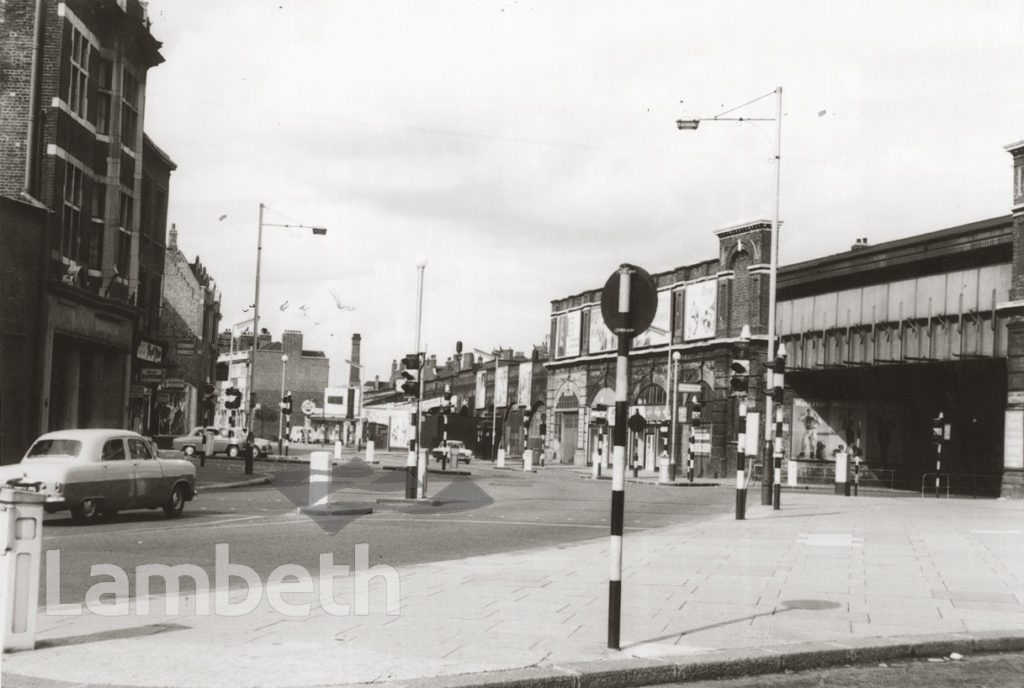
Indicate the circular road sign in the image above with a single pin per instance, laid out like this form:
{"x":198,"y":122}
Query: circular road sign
{"x":643,"y":302}
{"x":308,"y":407}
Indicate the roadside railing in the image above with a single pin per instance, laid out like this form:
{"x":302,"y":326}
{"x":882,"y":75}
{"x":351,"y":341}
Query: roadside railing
{"x":973,"y":484}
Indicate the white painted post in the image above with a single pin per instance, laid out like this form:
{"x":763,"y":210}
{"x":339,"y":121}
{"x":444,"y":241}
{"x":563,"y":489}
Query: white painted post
{"x":528,"y":460}
{"x":501,"y":457}
{"x":319,"y":477}
{"x":369,"y":451}
{"x":337,"y":449}
{"x":21,"y":534}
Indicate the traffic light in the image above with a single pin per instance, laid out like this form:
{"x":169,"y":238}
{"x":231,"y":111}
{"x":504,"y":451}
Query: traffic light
{"x":527,"y":415}
{"x":286,"y":403}
{"x":739,"y":381}
{"x":940,"y":429}
{"x":778,"y":377}
{"x":446,"y":406}
{"x":233,"y":398}
{"x":410,"y":380}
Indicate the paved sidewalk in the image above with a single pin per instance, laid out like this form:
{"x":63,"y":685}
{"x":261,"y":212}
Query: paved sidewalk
{"x":824,"y":579}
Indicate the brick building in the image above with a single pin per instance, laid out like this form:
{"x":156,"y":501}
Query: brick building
{"x":306,"y":374}
{"x":72,"y":97}
{"x":884,"y":343}
{"x":702,"y":310}
{"x":505,"y":393}
{"x":189,"y":322}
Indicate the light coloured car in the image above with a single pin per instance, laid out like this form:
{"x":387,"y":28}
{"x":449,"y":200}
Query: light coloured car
{"x":94,"y":472}
{"x":456,"y":449}
{"x":227,"y":441}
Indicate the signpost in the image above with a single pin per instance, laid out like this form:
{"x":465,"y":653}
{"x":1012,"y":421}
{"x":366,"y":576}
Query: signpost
{"x":628,"y":304}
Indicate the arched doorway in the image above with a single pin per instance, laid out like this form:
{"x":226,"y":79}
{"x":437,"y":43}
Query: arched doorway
{"x":652,"y":404}
{"x":567,"y":414}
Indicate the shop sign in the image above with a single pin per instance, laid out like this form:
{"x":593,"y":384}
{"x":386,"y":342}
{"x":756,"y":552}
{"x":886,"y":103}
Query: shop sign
{"x":186,"y":348}
{"x":174,"y":383}
{"x":148,"y":351}
{"x":151,"y":375}
{"x":163,"y":397}
{"x":136,"y":391}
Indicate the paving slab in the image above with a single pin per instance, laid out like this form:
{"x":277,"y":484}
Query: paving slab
{"x":824,"y":579}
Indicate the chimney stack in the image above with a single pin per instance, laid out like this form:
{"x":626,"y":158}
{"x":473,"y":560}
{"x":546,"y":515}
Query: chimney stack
{"x":172,"y":237}
{"x":353,"y":370}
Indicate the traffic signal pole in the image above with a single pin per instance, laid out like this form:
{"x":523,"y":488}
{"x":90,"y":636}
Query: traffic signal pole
{"x":619,"y":434}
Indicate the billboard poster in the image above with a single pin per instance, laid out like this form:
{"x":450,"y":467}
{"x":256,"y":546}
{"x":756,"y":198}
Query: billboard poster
{"x":481,"y":389}
{"x":572,"y":333}
{"x":501,"y":386}
{"x":823,"y":428}
{"x":601,"y":338}
{"x":660,"y":329}
{"x":525,"y":381}
{"x":700,"y":310}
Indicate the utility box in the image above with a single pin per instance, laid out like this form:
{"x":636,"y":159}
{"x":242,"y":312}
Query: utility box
{"x":21,"y":535}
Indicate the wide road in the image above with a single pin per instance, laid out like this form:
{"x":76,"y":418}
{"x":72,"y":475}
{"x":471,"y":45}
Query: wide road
{"x":488,"y":511}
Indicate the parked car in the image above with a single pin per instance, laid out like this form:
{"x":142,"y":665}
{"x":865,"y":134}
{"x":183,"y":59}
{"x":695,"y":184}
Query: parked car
{"x":225,"y":441}
{"x":456,"y":449}
{"x":93,"y":472}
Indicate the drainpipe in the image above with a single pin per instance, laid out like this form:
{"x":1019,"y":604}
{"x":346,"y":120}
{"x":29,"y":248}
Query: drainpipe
{"x":35,"y":85}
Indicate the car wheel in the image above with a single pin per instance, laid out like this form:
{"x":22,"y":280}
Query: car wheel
{"x":188,"y":450}
{"x":87,"y":511}
{"x":233,"y":451}
{"x":175,"y":503}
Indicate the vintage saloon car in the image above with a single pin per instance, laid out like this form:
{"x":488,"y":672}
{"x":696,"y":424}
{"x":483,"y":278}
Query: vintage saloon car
{"x":225,"y":441}
{"x":94,"y":472}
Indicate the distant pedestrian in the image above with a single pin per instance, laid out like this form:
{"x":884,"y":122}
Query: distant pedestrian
{"x":248,"y":451}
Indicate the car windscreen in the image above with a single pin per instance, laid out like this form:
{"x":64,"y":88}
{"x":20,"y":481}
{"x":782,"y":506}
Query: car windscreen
{"x":61,"y":447}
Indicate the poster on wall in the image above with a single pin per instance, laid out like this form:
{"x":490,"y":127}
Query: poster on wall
{"x":821,"y":429}
{"x":660,"y":329}
{"x":572,"y":333}
{"x":700,"y":310}
{"x":525,"y":382}
{"x":481,"y":389}
{"x":501,"y":386}
{"x":601,"y":338}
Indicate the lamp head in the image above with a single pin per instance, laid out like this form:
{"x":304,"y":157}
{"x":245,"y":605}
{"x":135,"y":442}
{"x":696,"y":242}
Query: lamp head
{"x":687,"y":124}
{"x":676,"y":356}
{"x":421,"y":261}
{"x":284,"y":358}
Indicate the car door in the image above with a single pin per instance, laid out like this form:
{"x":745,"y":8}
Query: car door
{"x":116,"y":486}
{"x":150,"y":487}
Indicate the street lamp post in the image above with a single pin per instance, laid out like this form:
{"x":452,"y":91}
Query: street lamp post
{"x":691,"y":124}
{"x":250,"y":404}
{"x":421,"y":462}
{"x":280,"y":417}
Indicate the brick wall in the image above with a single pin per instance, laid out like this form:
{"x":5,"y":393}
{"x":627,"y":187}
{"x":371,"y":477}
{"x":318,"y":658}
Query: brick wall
{"x":22,"y":234}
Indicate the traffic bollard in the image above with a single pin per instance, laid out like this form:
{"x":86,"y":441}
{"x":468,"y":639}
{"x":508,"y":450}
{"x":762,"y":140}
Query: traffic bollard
{"x":337,"y":449}
{"x":741,"y":496}
{"x":319,"y":478}
{"x":370,"y":447}
{"x":528,"y":460}
{"x":21,"y":534}
{"x":501,"y":457}
{"x":842,"y":484}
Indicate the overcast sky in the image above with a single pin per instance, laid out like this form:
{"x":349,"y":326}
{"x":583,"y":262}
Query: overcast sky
{"x":528,"y":148}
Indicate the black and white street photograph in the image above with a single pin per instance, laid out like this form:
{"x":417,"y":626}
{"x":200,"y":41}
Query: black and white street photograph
{"x":498,"y":343}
